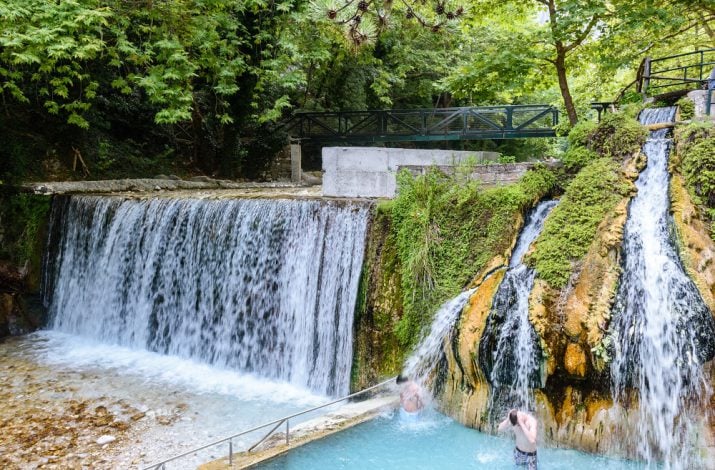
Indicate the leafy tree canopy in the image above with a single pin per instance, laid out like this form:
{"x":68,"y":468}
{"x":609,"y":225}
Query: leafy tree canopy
{"x":202,"y":76}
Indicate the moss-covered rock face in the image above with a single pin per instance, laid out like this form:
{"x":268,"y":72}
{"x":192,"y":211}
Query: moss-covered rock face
{"x":607,"y":159}
{"x":23,"y":220}
{"x":695,"y":161}
{"x":425,"y":247}
{"x":445,"y":232}
{"x":593,"y":194}
{"x":697,"y":249}
{"x":577,"y":260}
{"x":379,"y":307}
{"x":691,"y":187}
{"x":466,"y":393}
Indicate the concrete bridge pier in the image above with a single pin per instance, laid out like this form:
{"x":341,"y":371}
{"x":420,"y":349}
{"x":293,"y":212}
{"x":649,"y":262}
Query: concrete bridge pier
{"x":296,"y":172}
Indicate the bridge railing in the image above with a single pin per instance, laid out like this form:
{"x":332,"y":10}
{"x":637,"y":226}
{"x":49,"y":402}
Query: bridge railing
{"x":426,"y":124}
{"x":676,"y":72}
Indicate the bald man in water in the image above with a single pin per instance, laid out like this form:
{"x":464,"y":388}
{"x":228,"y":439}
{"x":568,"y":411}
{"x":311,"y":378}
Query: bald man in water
{"x":524,"y":427}
{"x":410,"y":395}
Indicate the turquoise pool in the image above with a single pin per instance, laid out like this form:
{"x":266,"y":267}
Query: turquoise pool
{"x":434,"y":442}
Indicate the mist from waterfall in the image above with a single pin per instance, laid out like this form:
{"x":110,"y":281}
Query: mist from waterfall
{"x":266,"y":287}
{"x":509,"y":352}
{"x":661,"y":328}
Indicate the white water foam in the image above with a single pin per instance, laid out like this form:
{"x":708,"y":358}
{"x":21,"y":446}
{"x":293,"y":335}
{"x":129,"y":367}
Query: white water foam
{"x":160,"y":370}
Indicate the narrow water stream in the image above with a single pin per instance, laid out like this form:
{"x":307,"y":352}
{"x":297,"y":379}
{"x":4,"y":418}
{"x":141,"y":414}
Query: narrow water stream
{"x":509,"y":352}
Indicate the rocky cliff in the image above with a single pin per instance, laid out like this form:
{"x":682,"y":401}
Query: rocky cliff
{"x":23,"y":222}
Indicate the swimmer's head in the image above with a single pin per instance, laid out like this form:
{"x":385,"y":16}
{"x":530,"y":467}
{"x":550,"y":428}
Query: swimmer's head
{"x":513,"y":417}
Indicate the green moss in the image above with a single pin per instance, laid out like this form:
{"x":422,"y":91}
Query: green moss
{"x":572,"y":225}
{"x":687,"y":108}
{"x":23,"y":218}
{"x":377,"y":351}
{"x":581,"y":132}
{"x":696,"y":157}
{"x":617,"y":136}
{"x":446,"y":231}
{"x":577,"y":157}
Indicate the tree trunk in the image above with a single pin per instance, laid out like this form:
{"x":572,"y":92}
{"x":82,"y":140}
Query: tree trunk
{"x":560,"y":64}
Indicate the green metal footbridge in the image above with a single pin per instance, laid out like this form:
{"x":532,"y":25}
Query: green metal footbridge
{"x":424,"y":125}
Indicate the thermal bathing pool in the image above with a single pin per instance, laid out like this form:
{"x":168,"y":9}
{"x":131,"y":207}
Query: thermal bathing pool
{"x":433,"y":442}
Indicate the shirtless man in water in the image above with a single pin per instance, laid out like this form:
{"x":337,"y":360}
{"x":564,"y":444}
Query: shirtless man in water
{"x":410,"y":395}
{"x":524,"y":427}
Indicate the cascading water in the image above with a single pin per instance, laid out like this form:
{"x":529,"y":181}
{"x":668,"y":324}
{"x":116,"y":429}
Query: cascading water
{"x":509,"y":351}
{"x":661,"y":328}
{"x":422,"y":362}
{"x":260,"y":286}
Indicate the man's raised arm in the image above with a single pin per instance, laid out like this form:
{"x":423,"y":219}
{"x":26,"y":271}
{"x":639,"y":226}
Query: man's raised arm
{"x":504,"y":424}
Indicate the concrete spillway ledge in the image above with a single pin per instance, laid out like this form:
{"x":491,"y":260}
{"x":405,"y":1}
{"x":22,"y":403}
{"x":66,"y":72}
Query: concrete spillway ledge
{"x":345,"y":417}
{"x":152,"y":188}
{"x":149,"y":185}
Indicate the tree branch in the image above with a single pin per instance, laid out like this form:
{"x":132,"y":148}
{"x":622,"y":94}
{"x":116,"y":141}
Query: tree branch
{"x":582,"y":37}
{"x":704,"y":21}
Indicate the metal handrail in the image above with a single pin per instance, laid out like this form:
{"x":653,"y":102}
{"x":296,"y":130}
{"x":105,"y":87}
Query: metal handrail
{"x":277,"y":423}
{"x":700,"y":52}
{"x":702,"y":60}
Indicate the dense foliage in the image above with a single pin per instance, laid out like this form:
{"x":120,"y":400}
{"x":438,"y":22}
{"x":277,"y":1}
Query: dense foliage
{"x":198,"y":85}
{"x":447,"y":230}
{"x":23,"y":218}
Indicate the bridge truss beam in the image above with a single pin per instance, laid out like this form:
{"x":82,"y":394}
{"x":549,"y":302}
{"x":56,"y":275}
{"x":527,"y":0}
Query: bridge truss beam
{"x":440,"y":124}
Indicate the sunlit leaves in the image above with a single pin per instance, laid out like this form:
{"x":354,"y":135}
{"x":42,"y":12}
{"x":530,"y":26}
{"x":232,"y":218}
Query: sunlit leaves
{"x":66,"y":51}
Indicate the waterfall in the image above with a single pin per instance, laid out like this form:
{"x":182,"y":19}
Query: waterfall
{"x":661,"y":328}
{"x":266,"y":287}
{"x":509,"y":353}
{"x":426,"y":356}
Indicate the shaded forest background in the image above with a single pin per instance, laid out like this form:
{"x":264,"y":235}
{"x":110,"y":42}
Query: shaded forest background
{"x":141,"y":87}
